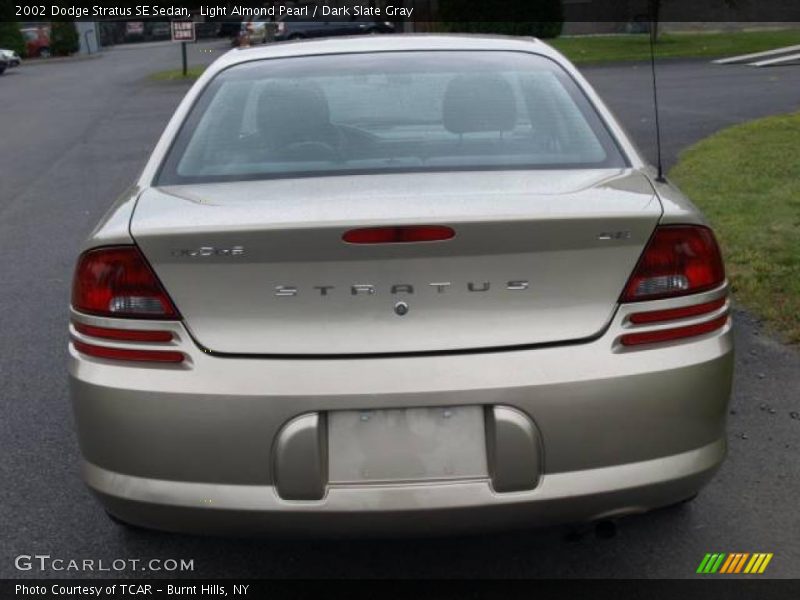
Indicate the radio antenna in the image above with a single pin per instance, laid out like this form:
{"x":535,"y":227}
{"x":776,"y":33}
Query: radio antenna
{"x":659,"y":164}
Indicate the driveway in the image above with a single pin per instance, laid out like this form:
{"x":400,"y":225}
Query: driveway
{"x":74,"y":136}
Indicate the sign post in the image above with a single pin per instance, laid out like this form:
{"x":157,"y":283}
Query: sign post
{"x":183,"y":31}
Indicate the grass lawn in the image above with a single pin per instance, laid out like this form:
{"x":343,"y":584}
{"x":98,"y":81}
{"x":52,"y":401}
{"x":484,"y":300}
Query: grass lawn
{"x":747,"y":181}
{"x":177,"y":74}
{"x":587,"y":49}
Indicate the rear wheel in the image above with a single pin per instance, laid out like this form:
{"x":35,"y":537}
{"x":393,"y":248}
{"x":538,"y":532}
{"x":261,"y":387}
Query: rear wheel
{"x":44,"y":52}
{"x":680,"y":503}
{"x":676,"y":506}
{"x":124,"y":524}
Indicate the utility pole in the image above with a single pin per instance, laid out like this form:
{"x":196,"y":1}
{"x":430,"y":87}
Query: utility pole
{"x":183,"y":57}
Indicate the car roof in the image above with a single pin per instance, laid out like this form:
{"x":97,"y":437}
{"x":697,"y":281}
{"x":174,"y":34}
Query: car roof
{"x":385,"y":43}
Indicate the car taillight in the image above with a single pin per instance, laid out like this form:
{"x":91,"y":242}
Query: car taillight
{"x":117,"y":281}
{"x":399,"y":235}
{"x":130,"y":354}
{"x":671,"y":314}
{"x":678,"y":260}
{"x":123,"y":335}
{"x":675,"y":333}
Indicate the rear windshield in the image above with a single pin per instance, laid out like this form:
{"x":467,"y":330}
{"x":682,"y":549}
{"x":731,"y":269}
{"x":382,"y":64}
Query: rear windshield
{"x":388,"y":112}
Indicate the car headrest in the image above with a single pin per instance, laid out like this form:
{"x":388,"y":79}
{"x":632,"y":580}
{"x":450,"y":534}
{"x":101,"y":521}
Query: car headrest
{"x":292,"y":111}
{"x":482,"y":102}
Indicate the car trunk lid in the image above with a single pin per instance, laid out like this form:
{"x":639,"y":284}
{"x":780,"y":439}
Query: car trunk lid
{"x":261,"y":268}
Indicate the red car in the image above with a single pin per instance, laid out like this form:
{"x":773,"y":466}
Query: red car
{"x":37,"y":42}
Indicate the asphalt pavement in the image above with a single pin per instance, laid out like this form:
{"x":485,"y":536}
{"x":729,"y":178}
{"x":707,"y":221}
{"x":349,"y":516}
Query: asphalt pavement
{"x":74,"y":136}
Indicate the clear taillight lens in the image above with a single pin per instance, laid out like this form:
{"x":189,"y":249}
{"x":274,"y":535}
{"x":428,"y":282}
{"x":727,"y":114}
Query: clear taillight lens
{"x":678,"y":260}
{"x":117,"y":281}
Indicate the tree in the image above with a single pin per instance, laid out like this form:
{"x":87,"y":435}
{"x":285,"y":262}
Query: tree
{"x":538,"y":18}
{"x":64,"y":38}
{"x":10,"y":35}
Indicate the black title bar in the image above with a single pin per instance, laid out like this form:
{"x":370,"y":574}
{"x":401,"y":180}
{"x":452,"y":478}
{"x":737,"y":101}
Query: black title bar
{"x":628,"y":11}
{"x":258,"y":589}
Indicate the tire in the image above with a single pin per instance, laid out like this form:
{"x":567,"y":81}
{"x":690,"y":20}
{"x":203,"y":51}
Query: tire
{"x":686,"y":500}
{"x":44,"y":52}
{"x":679,"y":504}
{"x":295,"y":36}
{"x":123,"y":524}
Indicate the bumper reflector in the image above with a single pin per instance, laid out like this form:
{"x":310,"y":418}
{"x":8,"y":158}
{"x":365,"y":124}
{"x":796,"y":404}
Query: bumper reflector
{"x":128,"y":335}
{"x":665,"y":335}
{"x":655,"y":316}
{"x":162,"y":356}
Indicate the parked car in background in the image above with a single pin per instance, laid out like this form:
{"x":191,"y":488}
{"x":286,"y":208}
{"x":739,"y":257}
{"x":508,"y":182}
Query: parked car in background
{"x":11,"y":57}
{"x":292,"y":29}
{"x":3,"y":63}
{"x":37,"y":42}
{"x":254,"y":32}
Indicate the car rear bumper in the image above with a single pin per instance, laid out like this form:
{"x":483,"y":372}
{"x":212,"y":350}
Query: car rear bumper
{"x":196,"y":447}
{"x":465,"y":506}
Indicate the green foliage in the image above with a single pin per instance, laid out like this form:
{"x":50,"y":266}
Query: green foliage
{"x":10,"y":36}
{"x":747,"y":181}
{"x":64,"y":38}
{"x":601,"y":48}
{"x":538,"y":18}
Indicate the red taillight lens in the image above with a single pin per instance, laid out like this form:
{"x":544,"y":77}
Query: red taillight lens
{"x":676,"y":333}
{"x":678,"y":260}
{"x":670,"y":314}
{"x":117,"y":282}
{"x":398,"y":235}
{"x":163,"y":356}
{"x":126,"y":335}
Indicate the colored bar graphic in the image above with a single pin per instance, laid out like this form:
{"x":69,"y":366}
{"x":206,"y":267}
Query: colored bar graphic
{"x":717,"y":563}
{"x":711,"y":562}
{"x":765,"y":563}
{"x":720,"y":562}
{"x":728,"y":564}
{"x":734,"y":560}
{"x":752,"y":564}
{"x":703,"y":563}
{"x":741,"y":563}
